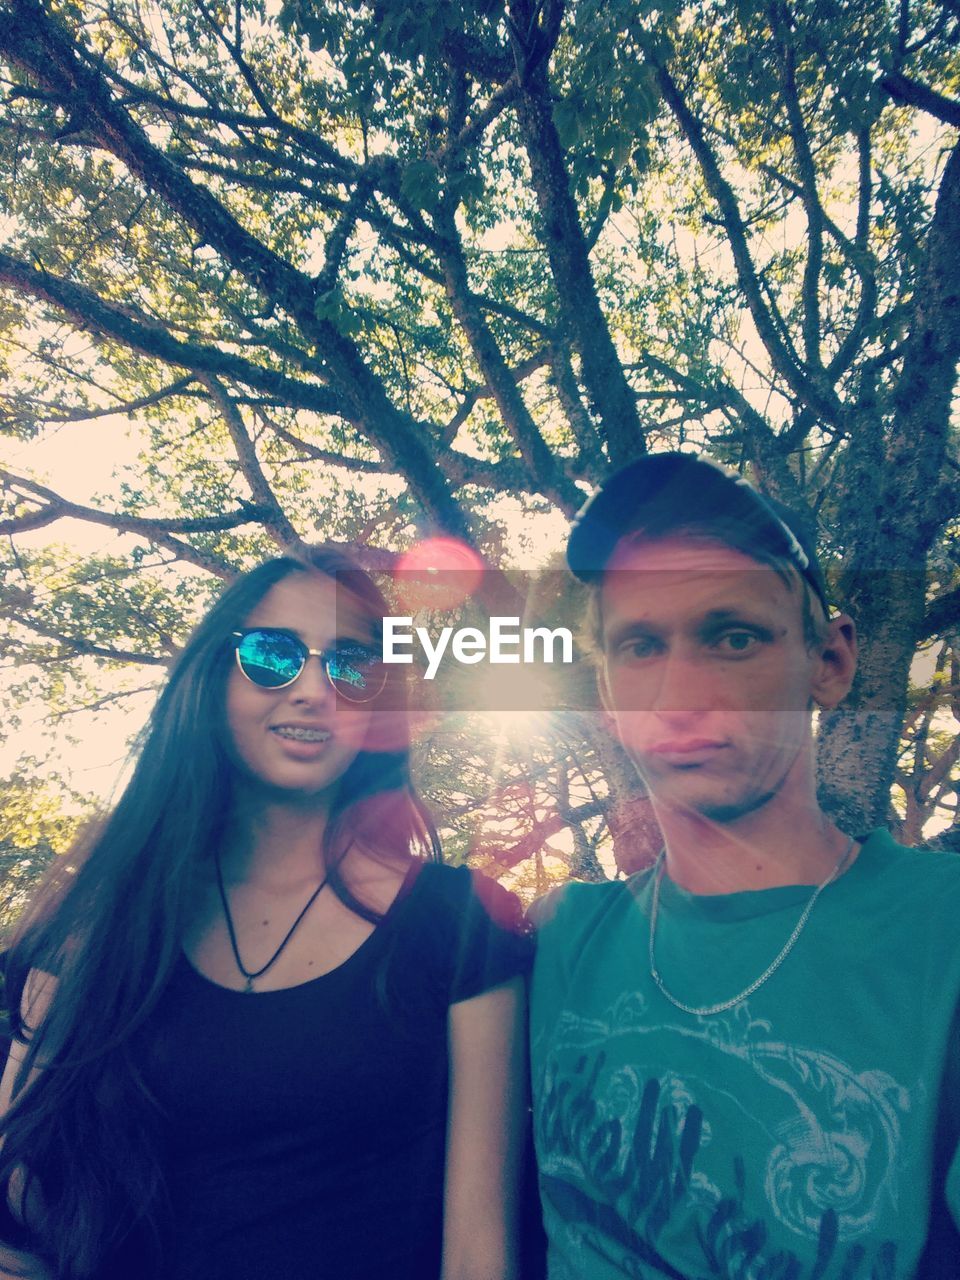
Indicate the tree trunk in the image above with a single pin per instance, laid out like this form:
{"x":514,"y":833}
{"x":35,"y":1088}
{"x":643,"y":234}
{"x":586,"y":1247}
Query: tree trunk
{"x":857,"y":743}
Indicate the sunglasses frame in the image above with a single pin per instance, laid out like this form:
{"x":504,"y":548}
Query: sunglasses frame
{"x":237,"y":638}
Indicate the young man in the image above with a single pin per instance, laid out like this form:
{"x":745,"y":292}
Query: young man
{"x":746,"y":1060}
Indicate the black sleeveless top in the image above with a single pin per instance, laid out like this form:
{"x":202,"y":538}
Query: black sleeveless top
{"x":305,"y":1128}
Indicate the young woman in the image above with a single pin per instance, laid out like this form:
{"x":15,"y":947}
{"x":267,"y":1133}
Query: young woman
{"x":261,"y":1034}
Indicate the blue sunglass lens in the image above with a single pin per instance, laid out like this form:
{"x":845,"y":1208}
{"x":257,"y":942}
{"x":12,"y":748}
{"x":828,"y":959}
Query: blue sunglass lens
{"x":353,"y":671}
{"x":270,"y":658}
{"x":273,"y":659}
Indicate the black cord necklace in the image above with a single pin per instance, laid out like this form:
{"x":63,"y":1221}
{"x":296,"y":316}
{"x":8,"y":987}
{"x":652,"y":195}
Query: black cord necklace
{"x":258,"y":973}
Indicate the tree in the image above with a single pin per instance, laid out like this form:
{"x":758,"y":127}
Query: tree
{"x":374,"y":268}
{"x":858,"y":325}
{"x":40,"y":818}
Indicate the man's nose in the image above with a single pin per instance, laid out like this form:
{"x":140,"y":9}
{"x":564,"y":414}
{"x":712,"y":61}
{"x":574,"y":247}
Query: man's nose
{"x":684,"y":686}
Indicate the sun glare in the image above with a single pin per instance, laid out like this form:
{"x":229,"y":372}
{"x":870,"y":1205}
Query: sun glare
{"x":514,"y":702}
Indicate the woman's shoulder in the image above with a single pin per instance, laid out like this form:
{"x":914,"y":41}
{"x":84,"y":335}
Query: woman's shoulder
{"x":33,"y":997}
{"x":38,"y":992}
{"x":465,"y":889}
{"x":474,"y":926}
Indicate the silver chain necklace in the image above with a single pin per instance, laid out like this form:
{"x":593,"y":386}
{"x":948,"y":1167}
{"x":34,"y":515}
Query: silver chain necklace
{"x":704,"y":1011}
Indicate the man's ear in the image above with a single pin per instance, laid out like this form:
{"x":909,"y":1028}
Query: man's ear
{"x":836,"y":662}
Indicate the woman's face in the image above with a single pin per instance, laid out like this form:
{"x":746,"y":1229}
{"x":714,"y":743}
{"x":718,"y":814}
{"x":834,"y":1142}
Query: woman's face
{"x":301,"y":739}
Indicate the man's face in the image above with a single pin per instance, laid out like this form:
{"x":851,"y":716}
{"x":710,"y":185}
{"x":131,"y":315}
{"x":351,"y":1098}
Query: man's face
{"x":707,"y":674}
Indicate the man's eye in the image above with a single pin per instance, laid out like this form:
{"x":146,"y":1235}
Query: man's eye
{"x":638,"y":648}
{"x":737,"y":642}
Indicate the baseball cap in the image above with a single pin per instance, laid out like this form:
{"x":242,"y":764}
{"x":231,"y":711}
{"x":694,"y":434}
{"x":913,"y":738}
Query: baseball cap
{"x":699,"y":492}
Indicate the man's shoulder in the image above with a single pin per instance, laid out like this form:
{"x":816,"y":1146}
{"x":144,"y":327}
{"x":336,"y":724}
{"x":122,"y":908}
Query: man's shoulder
{"x":578,"y":903}
{"x":918,"y":862}
{"x":912,"y":880}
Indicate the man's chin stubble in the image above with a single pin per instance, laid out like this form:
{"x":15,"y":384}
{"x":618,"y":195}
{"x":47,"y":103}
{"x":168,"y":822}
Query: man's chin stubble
{"x":721,"y":814}
{"x":724,"y":814}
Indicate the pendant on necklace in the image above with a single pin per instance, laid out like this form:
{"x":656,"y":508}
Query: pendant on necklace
{"x":248,"y":985}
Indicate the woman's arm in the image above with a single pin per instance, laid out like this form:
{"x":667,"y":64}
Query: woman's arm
{"x":17,"y":1265}
{"x":14,"y":1263}
{"x":485,"y":1134}
{"x":38,"y":992}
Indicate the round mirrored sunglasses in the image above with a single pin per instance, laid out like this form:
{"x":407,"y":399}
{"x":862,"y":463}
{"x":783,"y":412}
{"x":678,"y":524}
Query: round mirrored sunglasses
{"x":273,"y":659}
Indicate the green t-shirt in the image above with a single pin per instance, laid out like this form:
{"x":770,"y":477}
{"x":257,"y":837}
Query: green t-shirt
{"x":808,"y":1133}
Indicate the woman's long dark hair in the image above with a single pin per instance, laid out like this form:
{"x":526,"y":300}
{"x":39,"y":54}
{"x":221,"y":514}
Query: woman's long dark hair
{"x":109,"y":926}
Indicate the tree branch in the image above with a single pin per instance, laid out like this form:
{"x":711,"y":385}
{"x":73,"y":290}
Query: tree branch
{"x":865,"y":265}
{"x":42,"y":45}
{"x":474,"y":128}
{"x":914,"y":94}
{"x":781,"y":24}
{"x":943,"y":615}
{"x":583,"y":320}
{"x":274,"y":518}
{"x":60,"y":414}
{"x":495,"y":306}
{"x":158,"y":531}
{"x":474,"y":395}
{"x":85,"y":648}
{"x":339,"y":237}
{"x":766,"y":316}
{"x":544,"y":473}
{"x":591,"y":463}
{"x":925,"y":388}
{"x":314,"y":453}
{"x":123,"y":324}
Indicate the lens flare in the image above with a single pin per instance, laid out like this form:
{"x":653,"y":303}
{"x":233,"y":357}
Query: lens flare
{"x":437,"y":573}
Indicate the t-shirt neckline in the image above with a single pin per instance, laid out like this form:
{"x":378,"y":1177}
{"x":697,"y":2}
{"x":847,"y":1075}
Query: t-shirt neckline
{"x":373,"y":938}
{"x":749,"y":903}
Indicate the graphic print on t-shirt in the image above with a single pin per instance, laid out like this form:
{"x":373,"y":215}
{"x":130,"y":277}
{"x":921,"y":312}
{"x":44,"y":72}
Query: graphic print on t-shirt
{"x":747,"y":1157}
